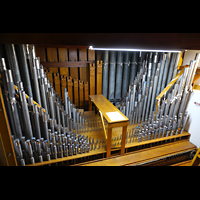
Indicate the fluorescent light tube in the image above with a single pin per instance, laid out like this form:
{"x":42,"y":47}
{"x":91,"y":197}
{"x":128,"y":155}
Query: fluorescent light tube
{"x":146,"y":50}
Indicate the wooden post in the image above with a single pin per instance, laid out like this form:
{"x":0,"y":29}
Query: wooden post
{"x":109,"y":139}
{"x":92,"y":78}
{"x":63,"y":85}
{"x":69,"y":87}
{"x":86,"y":97}
{"x":57,"y":83}
{"x":81,"y":106}
{"x":76,"y":100}
{"x":123,"y":139}
{"x":99,"y":77}
{"x":49,"y":76}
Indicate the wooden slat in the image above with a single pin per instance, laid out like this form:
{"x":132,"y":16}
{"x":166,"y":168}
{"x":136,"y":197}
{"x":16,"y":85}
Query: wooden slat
{"x":69,"y":87}
{"x":86,"y":95}
{"x":63,"y":85}
{"x":63,"y":57}
{"x":99,"y":77}
{"x":63,"y":54}
{"x":57,"y":83}
{"x":52,"y":55}
{"x":40,"y":52}
{"x":76,"y":100}
{"x":91,"y":55}
{"x":49,"y":75}
{"x":81,"y":100}
{"x":92,"y":79}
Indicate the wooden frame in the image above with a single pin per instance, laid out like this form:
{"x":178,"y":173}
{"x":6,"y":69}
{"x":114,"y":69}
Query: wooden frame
{"x":104,"y":106}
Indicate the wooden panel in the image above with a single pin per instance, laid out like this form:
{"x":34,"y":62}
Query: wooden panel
{"x":40,"y":52}
{"x":52,"y":55}
{"x":83,"y":70}
{"x":69,"y":87}
{"x":82,"y":55}
{"x":73,"y":57}
{"x":63,"y":57}
{"x":81,"y":100}
{"x":99,"y":77}
{"x":57,"y":83}
{"x":91,"y":55}
{"x":92,"y":79}
{"x":63,"y":54}
{"x":86,"y":95}
{"x":63,"y":85}
{"x":76,"y":100}
{"x":72,"y":54}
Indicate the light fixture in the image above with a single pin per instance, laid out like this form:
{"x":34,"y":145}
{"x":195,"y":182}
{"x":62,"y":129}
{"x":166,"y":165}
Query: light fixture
{"x":146,"y":50}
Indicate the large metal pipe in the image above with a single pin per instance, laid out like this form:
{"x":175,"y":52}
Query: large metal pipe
{"x":24,"y":70}
{"x":17,"y":131}
{"x":165,"y":71}
{"x":133,"y":68}
{"x":119,"y":76}
{"x":126,"y":72}
{"x":105,"y":74}
{"x":12,"y":62}
{"x":112,"y":76}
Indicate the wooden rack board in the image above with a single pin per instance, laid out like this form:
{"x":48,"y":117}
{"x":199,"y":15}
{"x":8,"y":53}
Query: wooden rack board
{"x":145,"y":156}
{"x":129,"y":147}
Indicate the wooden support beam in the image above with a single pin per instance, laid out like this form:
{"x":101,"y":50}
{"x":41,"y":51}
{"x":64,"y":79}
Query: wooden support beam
{"x":69,"y":87}
{"x":63,"y":85}
{"x":76,"y":100}
{"x":81,"y":99}
{"x":49,"y":75}
{"x":92,"y":78}
{"x":86,"y":95}
{"x":99,"y":77}
{"x":57,"y":83}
